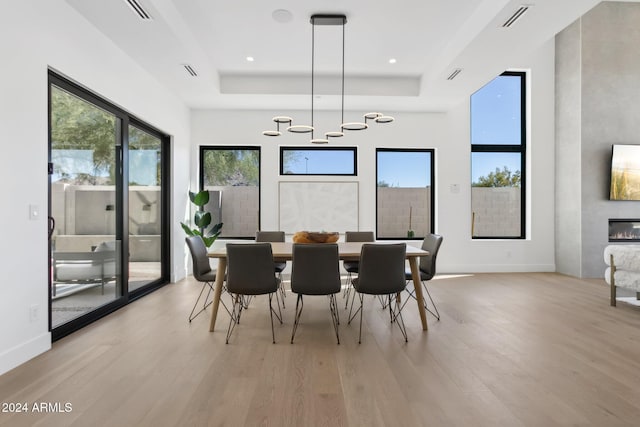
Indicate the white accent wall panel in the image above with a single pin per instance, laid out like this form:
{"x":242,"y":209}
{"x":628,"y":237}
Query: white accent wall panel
{"x":318,"y":206}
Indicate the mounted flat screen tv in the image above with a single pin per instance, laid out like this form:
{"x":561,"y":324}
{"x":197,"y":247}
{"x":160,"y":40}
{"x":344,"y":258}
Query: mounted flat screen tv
{"x":625,"y":172}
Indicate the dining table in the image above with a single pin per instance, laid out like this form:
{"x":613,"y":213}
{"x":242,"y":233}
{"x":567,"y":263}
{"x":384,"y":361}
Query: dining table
{"x":347,"y":251}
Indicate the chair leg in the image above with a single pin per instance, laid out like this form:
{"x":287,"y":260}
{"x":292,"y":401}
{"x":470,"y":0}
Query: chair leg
{"x":351,"y":317}
{"x":224,"y":289}
{"x":273,"y":334}
{"x":279,"y":315}
{"x":413,"y":295}
{"x":352,"y":296}
{"x":296,"y":318}
{"x":333,"y":308}
{"x":361,"y":310}
{"x":235,"y":314}
{"x":397,"y":315}
{"x":246,"y":299}
{"x":383,"y":302}
{"x":281,"y":289}
{"x":205,"y":305}
{"x":348,"y":289}
{"x":437,"y":313}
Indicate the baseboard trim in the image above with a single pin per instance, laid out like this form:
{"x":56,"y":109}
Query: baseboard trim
{"x":21,"y":353}
{"x":497,"y":268}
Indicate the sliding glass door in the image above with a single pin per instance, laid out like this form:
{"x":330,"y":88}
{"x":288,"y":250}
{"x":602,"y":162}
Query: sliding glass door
{"x":108,"y":204}
{"x":85,"y":240}
{"x":145,"y":208}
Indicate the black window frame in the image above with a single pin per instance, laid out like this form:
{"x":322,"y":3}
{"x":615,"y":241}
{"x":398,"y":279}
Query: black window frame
{"x":257,"y":148}
{"x":511,"y":148}
{"x":354,"y":150}
{"x":432,"y":196}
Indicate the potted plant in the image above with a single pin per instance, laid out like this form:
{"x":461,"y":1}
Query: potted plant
{"x":410,"y":232}
{"x":202,"y":219}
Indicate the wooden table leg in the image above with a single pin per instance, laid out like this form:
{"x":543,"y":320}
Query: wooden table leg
{"x":417,"y":285}
{"x":220,"y":273}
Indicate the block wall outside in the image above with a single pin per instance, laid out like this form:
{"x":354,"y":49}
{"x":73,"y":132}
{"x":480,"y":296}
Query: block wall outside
{"x":393,"y":211}
{"x":83,"y":220}
{"x":497,"y":211}
{"x":81,"y":210}
{"x":239,"y":209}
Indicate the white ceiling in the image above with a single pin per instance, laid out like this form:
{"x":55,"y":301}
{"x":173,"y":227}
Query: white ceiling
{"x":428,"y":38}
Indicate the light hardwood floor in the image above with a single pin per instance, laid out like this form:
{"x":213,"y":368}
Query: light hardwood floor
{"x":510,"y":350}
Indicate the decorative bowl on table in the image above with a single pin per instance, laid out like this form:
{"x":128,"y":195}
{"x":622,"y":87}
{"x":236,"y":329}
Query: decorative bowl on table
{"x":315,"y":237}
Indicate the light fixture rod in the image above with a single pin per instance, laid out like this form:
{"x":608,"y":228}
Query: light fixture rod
{"x":342,"y":109}
{"x":332,"y":20}
{"x":313,"y":55}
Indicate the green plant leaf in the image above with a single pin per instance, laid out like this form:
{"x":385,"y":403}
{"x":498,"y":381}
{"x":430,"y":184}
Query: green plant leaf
{"x":202,"y":219}
{"x":200,"y":198}
{"x":208,"y":241}
{"x":186,"y":229}
{"x":216,"y":229}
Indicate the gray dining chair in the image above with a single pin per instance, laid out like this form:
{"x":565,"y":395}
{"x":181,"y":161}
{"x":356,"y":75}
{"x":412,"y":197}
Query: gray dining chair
{"x":352,"y":266}
{"x":427,"y":267}
{"x":250,"y":273}
{"x":316,"y":271}
{"x":381,"y":272}
{"x":279,"y":266}
{"x":203,"y":273}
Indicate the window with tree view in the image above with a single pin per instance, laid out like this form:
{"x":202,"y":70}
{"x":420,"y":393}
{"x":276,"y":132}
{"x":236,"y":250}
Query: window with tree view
{"x":232,"y":175}
{"x":498,"y":150}
{"x":405,"y":199}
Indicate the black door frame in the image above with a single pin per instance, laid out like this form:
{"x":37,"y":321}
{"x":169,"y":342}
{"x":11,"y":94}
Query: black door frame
{"x":123,"y":119}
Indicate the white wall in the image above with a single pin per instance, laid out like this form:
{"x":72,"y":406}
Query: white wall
{"x":597,"y":71}
{"x":449,"y":135}
{"x":536,"y":253}
{"x":35,"y":35}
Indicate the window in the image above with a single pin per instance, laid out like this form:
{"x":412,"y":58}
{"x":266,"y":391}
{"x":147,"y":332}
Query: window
{"x":318,"y":161}
{"x":233,"y":176}
{"x":404,"y":196}
{"x":498,"y":158}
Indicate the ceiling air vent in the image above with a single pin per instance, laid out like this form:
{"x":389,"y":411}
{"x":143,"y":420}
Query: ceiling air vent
{"x":138,"y":9}
{"x":454,"y":74}
{"x":516,"y":16}
{"x":190,"y":70}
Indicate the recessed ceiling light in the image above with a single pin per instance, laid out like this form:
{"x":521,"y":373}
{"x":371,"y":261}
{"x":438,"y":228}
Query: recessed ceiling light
{"x":282,"y":15}
{"x":250,"y":59}
{"x":392,"y":61}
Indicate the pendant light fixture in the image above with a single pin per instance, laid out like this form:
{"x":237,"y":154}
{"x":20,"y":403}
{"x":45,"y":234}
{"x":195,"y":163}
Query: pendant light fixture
{"x":344,"y":126}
